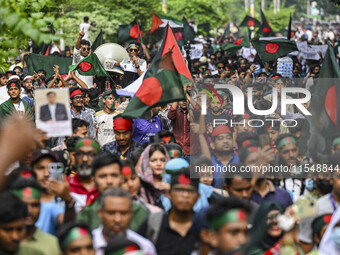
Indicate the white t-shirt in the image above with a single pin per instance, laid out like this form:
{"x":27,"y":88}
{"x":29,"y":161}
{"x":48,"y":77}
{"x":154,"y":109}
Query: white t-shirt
{"x":105,"y":127}
{"x":86,"y":27}
{"x":52,"y":109}
{"x":3,"y":94}
{"x":20,"y":108}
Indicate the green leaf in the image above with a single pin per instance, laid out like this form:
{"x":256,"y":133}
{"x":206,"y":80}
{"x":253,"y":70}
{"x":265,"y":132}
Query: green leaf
{"x":37,"y":15}
{"x":12,"y":19}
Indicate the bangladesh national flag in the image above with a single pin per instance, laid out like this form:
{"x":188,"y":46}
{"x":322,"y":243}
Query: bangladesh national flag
{"x":128,"y":32}
{"x":250,"y":22}
{"x":269,"y":50}
{"x":161,"y":21}
{"x":36,"y":62}
{"x":89,"y":65}
{"x":265,"y":28}
{"x":162,"y":82}
{"x":98,"y":41}
{"x":324,"y":107}
{"x":186,"y":35}
{"x":232,"y":48}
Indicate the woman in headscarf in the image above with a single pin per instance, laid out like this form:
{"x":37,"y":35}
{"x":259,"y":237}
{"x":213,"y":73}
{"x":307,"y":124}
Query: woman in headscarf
{"x":152,"y":170}
{"x":330,"y":242}
{"x":266,"y":231}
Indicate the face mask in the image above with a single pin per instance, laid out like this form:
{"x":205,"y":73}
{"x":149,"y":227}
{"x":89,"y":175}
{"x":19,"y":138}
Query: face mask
{"x":324,"y":186}
{"x":310,"y":184}
{"x":336,"y":236}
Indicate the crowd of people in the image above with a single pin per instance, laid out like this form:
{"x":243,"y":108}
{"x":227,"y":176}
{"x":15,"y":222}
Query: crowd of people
{"x":131,"y":186}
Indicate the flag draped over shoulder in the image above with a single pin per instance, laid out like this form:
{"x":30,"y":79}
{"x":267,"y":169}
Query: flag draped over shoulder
{"x":161,"y":21}
{"x":324,"y":107}
{"x":36,"y":62}
{"x":250,"y":22}
{"x":269,"y":50}
{"x":128,"y":32}
{"x":162,"y":82}
{"x":265,"y":28}
{"x":89,"y":65}
{"x":98,"y":41}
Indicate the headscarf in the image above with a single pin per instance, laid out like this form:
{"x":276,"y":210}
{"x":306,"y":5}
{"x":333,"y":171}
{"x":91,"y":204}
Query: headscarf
{"x":260,"y":239}
{"x":144,"y":170}
{"x":327,"y":245}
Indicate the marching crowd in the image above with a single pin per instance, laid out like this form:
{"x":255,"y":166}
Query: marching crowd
{"x":128,"y":185}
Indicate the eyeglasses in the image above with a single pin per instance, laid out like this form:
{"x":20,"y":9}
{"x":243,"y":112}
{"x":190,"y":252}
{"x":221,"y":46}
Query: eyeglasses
{"x":133,"y":50}
{"x":80,"y":154}
{"x":182,"y":190}
{"x":85,"y":49}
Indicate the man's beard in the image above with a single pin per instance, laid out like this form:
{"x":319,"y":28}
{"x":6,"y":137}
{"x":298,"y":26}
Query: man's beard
{"x":78,"y":108}
{"x":84,"y":170}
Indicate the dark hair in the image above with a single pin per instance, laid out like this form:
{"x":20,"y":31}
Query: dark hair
{"x":71,"y":142}
{"x":104,"y":159}
{"x":173,"y":146}
{"x":160,"y":134}
{"x":114,"y":192}
{"x":76,"y":123}
{"x":231,"y":176}
{"x":281,"y":136}
{"x":225,"y":204}
{"x":135,"y":154}
{"x":50,"y":93}
{"x":156,"y":147}
{"x":93,"y":93}
{"x":3,"y":74}
{"x":42,"y":71}
{"x":241,"y":137}
{"x":67,"y":227}
{"x":86,"y":19}
{"x":16,"y":181}
{"x":298,"y":127}
{"x":11,"y":208}
{"x":135,"y":42}
{"x":85,"y":42}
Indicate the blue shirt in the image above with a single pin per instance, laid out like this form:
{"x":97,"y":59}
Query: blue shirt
{"x":49,"y":212}
{"x":218,"y":182}
{"x":143,"y":129}
{"x":276,"y":194}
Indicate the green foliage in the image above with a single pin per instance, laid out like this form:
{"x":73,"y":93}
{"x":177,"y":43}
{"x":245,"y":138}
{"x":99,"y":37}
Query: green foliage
{"x":23,"y":19}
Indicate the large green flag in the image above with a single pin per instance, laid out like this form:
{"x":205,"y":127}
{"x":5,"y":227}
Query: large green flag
{"x":269,"y":50}
{"x":36,"y":62}
{"x":324,"y":107}
{"x":129,"y":32}
{"x":161,"y":84}
{"x":89,"y":65}
{"x":232,"y":48}
{"x":265,"y":28}
{"x":250,"y":22}
{"x":188,"y":32}
{"x":98,"y":41}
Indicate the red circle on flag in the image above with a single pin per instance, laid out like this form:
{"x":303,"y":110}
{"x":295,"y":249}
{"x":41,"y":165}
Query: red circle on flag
{"x":179,"y":36}
{"x":83,"y":232}
{"x":150,"y":91}
{"x":272,"y":48}
{"x":126,"y":171}
{"x":327,"y":218}
{"x":330,"y":104}
{"x":87,"y":142}
{"x":183,"y":179}
{"x":266,"y":30}
{"x":85,"y":66}
{"x":292,"y":34}
{"x":27,"y":192}
{"x":251,"y":23}
{"x":134,"y":31}
{"x":242,"y":215}
{"x":238,"y":42}
{"x":25,"y":174}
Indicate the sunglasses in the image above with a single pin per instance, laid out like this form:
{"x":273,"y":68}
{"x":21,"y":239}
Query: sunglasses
{"x":133,"y":50}
{"x":85,"y":49}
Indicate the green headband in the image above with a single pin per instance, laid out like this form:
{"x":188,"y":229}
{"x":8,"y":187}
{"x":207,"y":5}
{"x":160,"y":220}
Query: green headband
{"x":233,"y":215}
{"x":320,"y":223}
{"x":88,"y":142}
{"x":27,"y":192}
{"x":133,"y":45}
{"x":74,"y":234}
{"x":175,"y":154}
{"x":285,"y":141}
{"x":336,"y":141}
{"x":247,"y":151}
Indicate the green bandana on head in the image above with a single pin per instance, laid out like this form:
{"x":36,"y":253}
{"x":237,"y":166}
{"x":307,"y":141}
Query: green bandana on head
{"x":128,"y":171}
{"x":234,"y":215}
{"x":130,"y":248}
{"x":27,"y":192}
{"x":74,"y":234}
{"x":320,"y":222}
{"x":175,"y":154}
{"x":285,"y":141}
{"x":336,"y":141}
{"x":88,"y":142}
{"x":133,"y":45}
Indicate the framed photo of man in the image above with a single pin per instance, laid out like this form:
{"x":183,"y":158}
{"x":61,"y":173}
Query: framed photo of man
{"x":52,"y":111}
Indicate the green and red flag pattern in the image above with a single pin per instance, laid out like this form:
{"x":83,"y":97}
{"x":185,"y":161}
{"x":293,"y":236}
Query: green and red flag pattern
{"x":250,"y":22}
{"x":89,"y":65}
{"x":161,"y":21}
{"x":265,"y":28}
{"x":162,"y":83}
{"x":237,"y":45}
{"x":269,"y":50}
{"x":128,"y":32}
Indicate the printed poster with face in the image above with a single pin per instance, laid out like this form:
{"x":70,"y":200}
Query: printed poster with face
{"x":52,"y":112}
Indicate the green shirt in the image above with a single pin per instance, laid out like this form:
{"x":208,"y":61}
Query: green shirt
{"x":24,"y":251}
{"x":7,"y":108}
{"x":46,"y":243}
{"x":89,"y":215}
